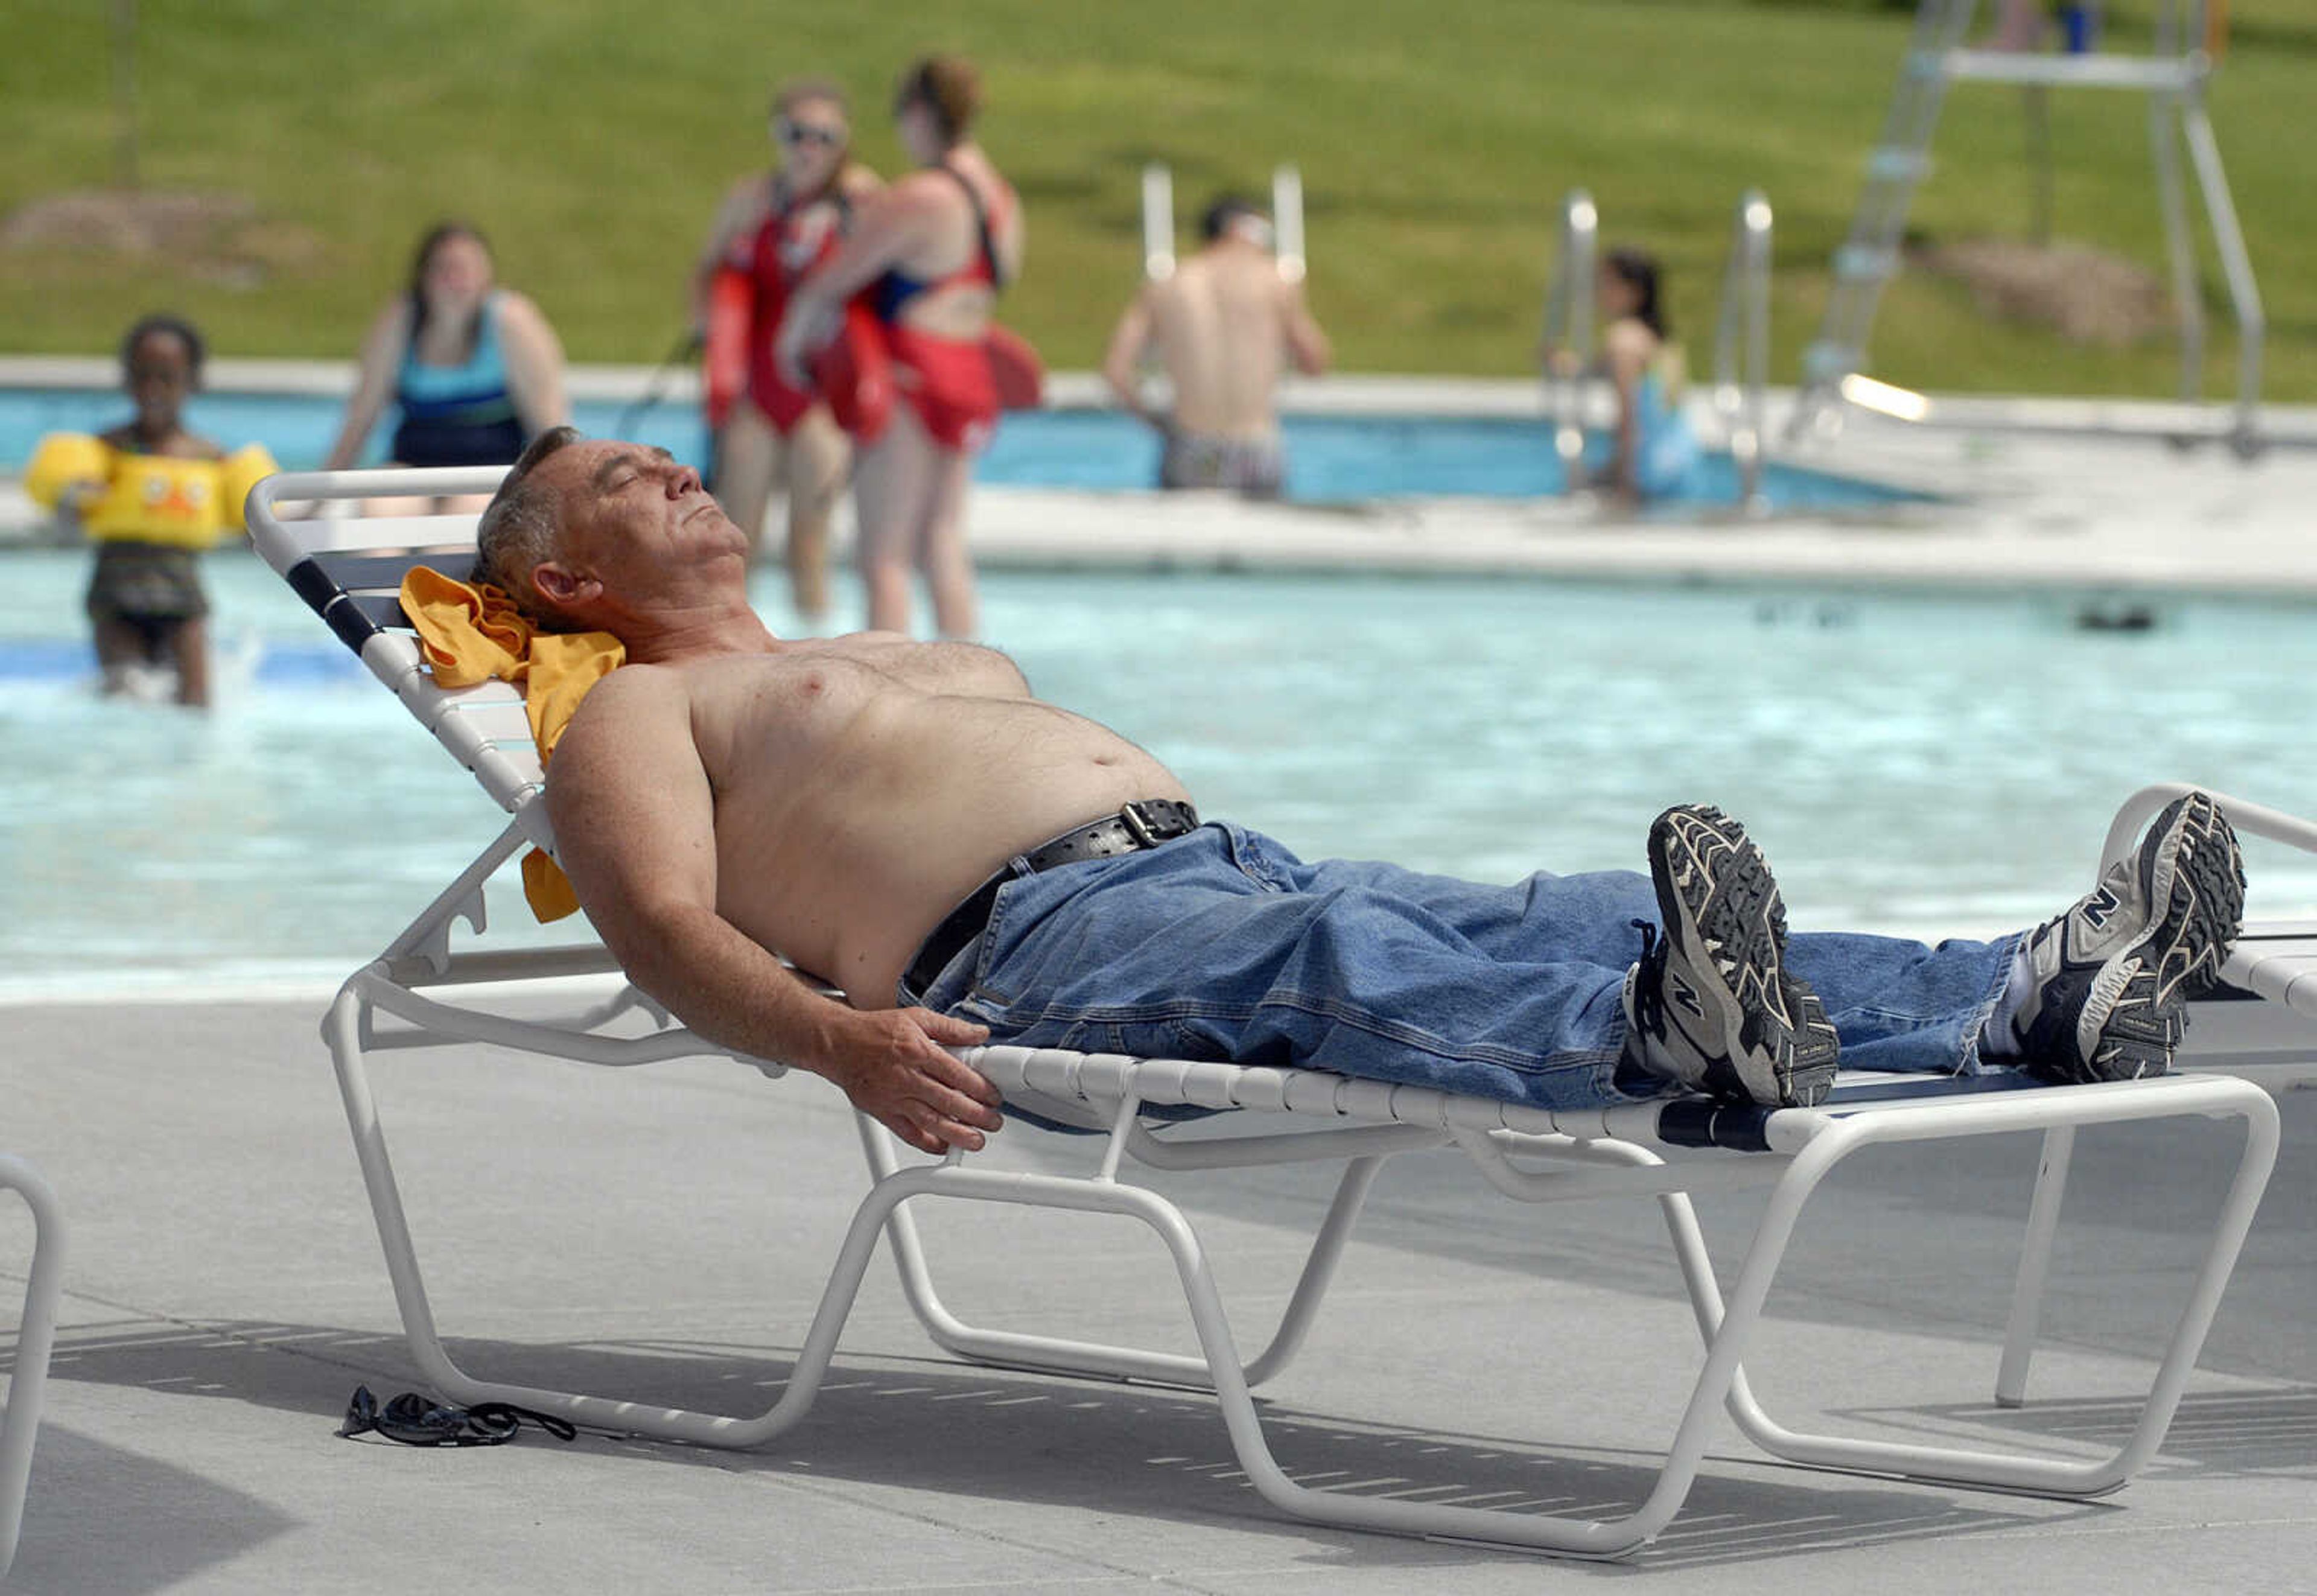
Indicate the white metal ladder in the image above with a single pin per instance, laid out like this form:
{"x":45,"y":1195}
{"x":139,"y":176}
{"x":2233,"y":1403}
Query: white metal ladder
{"x":2173,"y":74}
{"x":1741,"y":346}
{"x":1567,"y":343}
{"x":1159,"y":221}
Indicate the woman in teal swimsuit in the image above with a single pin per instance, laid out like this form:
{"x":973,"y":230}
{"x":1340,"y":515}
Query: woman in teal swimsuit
{"x":474,"y":369}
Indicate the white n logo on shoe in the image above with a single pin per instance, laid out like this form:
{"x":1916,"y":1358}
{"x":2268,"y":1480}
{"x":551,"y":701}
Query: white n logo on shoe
{"x":1677,"y":991}
{"x":2100,"y":908}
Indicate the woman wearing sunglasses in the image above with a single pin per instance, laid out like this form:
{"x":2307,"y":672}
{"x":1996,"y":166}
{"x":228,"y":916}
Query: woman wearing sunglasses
{"x":771,"y":231}
{"x":933,"y":250}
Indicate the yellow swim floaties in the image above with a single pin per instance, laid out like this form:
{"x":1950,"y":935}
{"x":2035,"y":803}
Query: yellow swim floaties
{"x":237,"y":473}
{"x":64,"y":460}
{"x":148,"y":498}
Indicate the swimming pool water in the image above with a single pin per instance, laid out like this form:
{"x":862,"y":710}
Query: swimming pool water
{"x":1914,"y":763}
{"x":1331,"y":458}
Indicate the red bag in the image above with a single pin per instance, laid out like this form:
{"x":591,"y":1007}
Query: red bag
{"x":1020,"y":374}
{"x":724,"y":358}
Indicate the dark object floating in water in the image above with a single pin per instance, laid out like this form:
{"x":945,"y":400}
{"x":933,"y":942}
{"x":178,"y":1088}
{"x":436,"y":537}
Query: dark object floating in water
{"x":1825,"y":613}
{"x":2117,"y":616}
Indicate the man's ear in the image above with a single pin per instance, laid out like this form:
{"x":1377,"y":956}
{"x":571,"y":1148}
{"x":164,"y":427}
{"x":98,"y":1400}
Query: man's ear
{"x":560,"y":584}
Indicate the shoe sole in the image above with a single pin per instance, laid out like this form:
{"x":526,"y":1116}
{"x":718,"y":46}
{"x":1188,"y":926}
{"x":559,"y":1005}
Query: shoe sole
{"x":2137,"y":1010}
{"x":1718,"y":902}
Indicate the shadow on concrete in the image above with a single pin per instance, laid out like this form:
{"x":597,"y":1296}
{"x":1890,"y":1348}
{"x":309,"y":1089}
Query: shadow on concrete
{"x":170,"y":1523}
{"x":2266,"y":1432}
{"x":1914,"y":1238}
{"x":997,"y":1436}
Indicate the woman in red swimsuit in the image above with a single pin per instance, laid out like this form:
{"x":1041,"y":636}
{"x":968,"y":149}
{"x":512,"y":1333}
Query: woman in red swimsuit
{"x":937,"y":246}
{"x":772,"y":230}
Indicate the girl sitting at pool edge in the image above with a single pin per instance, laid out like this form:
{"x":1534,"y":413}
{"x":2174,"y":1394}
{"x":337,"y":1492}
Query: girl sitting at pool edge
{"x":150,"y":495}
{"x":1652,"y":453}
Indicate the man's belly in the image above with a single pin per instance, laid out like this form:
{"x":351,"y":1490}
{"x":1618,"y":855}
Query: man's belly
{"x":849,"y":885}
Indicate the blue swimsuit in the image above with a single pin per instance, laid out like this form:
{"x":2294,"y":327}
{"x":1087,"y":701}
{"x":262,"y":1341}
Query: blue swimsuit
{"x":462,"y":415}
{"x":1665,"y":452}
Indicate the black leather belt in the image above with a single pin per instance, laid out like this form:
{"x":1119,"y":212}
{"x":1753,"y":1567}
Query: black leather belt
{"x":1144,"y":823}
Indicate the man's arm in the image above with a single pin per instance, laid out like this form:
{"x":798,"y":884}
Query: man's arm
{"x":1307,"y":346}
{"x":1127,"y":344}
{"x":635,"y":823}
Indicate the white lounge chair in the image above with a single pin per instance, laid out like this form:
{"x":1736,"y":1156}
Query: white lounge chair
{"x":36,"y":1335}
{"x":348,"y":570}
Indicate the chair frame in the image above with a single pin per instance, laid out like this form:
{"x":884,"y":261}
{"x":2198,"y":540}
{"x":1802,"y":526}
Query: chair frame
{"x":1664,"y":1150}
{"x":35,"y":1339}
{"x":2277,"y":1051}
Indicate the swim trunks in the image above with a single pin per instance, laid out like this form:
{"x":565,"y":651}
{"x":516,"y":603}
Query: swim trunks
{"x":1253,"y":466}
{"x":150,"y":586}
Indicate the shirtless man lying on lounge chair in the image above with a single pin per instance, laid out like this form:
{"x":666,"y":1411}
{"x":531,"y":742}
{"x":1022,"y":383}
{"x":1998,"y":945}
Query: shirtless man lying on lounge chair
{"x":966,"y":861}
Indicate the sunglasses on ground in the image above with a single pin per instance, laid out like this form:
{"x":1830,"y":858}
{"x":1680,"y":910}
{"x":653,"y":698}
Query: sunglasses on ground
{"x":789,"y":132}
{"x":414,"y":1422}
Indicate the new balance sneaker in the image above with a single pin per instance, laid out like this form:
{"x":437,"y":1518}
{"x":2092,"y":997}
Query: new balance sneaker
{"x":1710,"y":1004}
{"x":2111,"y":978}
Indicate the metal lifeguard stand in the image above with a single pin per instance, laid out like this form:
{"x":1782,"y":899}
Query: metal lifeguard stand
{"x":2173,"y":74}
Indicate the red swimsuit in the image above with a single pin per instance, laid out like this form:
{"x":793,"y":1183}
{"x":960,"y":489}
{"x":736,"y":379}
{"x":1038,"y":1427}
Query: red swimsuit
{"x":791,"y":240}
{"x":947,"y":382}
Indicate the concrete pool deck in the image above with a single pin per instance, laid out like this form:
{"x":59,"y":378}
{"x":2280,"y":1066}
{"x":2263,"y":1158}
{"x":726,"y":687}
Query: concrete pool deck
{"x":2040,"y":503}
{"x":2067,"y":495}
{"x":224,"y":1294}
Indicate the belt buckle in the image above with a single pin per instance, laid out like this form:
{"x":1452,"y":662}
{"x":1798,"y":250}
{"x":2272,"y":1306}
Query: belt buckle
{"x":1142,"y":826}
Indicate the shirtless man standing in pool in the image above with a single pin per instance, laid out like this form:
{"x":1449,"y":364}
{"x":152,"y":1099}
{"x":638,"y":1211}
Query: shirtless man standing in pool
{"x":964,"y":860}
{"x":1224,"y":324}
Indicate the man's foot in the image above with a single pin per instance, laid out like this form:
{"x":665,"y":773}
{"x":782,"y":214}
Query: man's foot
{"x":1710,"y":1004}
{"x":2113,"y":975}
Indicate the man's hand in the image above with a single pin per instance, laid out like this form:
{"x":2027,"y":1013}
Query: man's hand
{"x":892,"y":1063}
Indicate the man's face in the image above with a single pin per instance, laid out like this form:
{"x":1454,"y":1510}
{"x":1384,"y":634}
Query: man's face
{"x":635,"y":517}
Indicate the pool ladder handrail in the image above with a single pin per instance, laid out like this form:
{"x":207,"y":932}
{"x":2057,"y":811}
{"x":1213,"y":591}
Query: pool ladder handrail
{"x":1741,"y":346}
{"x":1566,"y":345}
{"x":1159,"y":259}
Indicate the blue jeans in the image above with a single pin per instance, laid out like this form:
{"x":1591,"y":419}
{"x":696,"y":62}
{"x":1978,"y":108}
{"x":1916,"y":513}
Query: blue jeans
{"x":1224,"y":945}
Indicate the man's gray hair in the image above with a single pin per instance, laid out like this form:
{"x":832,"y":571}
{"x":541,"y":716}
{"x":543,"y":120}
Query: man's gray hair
{"x":521,"y":526}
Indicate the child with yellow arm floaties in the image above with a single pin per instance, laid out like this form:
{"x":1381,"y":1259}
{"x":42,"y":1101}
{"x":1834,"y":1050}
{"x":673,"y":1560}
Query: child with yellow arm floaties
{"x":151,"y":496}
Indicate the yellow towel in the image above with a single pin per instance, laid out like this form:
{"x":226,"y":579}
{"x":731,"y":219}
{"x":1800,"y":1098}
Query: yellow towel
{"x":475,"y":634}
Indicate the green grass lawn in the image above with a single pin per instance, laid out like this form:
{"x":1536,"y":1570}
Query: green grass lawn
{"x":590,"y":140}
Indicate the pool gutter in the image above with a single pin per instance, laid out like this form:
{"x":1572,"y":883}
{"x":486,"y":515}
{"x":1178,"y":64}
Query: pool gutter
{"x":2061,"y":493}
